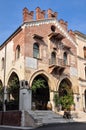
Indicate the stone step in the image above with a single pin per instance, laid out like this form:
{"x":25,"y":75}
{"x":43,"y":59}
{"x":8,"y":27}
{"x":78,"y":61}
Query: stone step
{"x":46,"y":117}
{"x":44,"y":114}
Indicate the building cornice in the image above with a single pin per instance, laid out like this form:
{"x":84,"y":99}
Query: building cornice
{"x":10,"y":37}
{"x":80,"y":34}
{"x":80,"y":38}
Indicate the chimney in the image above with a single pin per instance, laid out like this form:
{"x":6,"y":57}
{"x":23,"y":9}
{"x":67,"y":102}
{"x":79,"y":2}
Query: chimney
{"x":51,"y":14}
{"x":40,"y":14}
{"x":64,"y":24}
{"x":27,"y":16}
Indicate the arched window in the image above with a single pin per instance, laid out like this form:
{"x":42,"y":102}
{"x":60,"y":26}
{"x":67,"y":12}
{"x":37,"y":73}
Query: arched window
{"x":53,"y":58}
{"x":84,"y":49}
{"x":3,"y":63}
{"x":65,"y":58}
{"x":36,"y":50}
{"x":17,"y":52}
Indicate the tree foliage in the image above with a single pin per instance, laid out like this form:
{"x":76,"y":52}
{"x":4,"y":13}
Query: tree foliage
{"x":65,"y":89}
{"x":1,"y":92}
{"x":38,"y":83}
{"x":14,"y":88}
{"x":66,"y":101}
{"x":65,"y":95}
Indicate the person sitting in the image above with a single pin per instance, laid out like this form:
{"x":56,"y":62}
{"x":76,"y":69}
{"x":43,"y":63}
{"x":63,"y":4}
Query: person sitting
{"x":67,"y":114}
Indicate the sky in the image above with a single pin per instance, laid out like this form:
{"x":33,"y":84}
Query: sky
{"x":72,"y":11}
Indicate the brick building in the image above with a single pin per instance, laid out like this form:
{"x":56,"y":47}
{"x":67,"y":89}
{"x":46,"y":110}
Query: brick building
{"x":42,"y":48}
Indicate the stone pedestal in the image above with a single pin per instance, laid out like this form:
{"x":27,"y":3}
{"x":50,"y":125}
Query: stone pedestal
{"x":25,"y":98}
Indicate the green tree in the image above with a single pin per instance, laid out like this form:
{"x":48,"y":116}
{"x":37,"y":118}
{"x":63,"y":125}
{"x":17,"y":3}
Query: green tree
{"x":66,"y":95}
{"x":66,"y":101}
{"x":1,"y":92}
{"x":13,"y":88}
{"x":38,"y":83}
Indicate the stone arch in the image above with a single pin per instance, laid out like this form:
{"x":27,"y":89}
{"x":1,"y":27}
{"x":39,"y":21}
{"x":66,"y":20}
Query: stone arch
{"x":12,"y":75}
{"x":62,"y":78}
{"x":65,"y":82}
{"x":13,"y":91}
{"x":42,"y":72}
{"x":50,"y":83}
{"x":65,"y":94}
{"x":40,"y":95}
{"x":10,"y":72}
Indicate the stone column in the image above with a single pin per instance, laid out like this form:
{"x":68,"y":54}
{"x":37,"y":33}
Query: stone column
{"x":25,"y":96}
{"x":77,"y":102}
{"x":4,"y":98}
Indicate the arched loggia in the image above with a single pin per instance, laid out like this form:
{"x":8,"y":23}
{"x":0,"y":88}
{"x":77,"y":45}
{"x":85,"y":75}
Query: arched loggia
{"x":66,"y":93}
{"x":40,"y":92}
{"x":13,"y":92}
{"x":65,"y":87}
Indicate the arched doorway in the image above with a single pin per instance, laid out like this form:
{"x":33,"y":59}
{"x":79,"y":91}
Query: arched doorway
{"x":66,"y":94}
{"x":40,"y":92}
{"x":13,"y":92}
{"x":85,"y":98}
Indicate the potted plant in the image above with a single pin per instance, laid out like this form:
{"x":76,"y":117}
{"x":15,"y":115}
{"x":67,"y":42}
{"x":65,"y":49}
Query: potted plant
{"x":66,"y":102}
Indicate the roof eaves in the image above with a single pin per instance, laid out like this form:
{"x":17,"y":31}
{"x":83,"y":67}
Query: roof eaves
{"x":11,"y":36}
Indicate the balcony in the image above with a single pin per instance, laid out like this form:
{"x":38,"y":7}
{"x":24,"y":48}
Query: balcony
{"x":60,"y":62}
{"x":57,"y":66}
{"x":54,"y":35}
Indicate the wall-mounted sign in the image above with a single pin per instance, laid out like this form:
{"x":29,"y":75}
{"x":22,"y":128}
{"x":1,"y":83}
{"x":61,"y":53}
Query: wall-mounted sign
{"x":31,"y":63}
{"x":73,"y":71}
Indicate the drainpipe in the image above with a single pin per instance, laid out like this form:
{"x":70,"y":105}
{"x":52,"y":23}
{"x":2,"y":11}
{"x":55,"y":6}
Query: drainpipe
{"x":4,"y":83}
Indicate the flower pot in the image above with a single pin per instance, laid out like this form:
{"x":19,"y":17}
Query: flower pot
{"x":49,"y":106}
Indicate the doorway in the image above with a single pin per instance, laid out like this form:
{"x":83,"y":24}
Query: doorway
{"x":40,"y":92}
